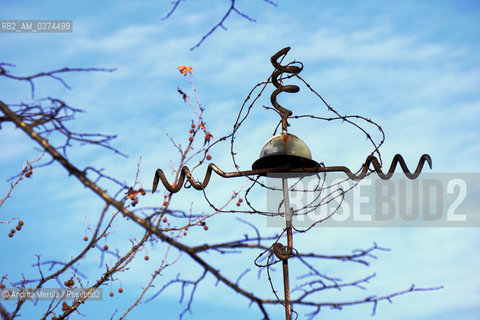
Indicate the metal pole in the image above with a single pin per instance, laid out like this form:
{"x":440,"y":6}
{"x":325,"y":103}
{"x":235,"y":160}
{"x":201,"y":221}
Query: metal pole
{"x":288,"y":227}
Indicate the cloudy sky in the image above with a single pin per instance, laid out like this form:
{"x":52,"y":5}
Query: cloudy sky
{"x":411,"y":66}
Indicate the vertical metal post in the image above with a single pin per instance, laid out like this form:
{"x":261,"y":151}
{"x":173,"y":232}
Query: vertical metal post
{"x":288,"y":227}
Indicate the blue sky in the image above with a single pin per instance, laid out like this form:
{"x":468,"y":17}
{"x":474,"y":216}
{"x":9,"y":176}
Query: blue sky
{"x":412,"y":66}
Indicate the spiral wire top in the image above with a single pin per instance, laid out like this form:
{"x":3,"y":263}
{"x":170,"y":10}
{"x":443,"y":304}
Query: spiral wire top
{"x":279,"y":70}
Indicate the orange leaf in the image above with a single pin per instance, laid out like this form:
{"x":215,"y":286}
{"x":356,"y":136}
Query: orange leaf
{"x":185,"y":69}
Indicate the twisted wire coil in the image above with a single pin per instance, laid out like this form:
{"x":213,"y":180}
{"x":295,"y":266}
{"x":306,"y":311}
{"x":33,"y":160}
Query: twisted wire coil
{"x":370,"y":161}
{"x":279,"y":70}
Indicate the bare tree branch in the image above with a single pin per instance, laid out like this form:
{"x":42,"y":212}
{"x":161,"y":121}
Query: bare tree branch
{"x":220,"y":24}
{"x":168,"y":226}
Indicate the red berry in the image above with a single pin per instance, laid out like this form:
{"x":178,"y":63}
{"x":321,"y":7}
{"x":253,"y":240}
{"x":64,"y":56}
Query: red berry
{"x":238,"y":204}
{"x":140,"y":190}
{"x":28,"y":174}
{"x":12,"y":231}
{"x":205,"y":227}
{"x":164,"y":219}
{"x":191,"y":131}
{"x":120,"y":290}
{"x":165,"y":203}
{"x":20,"y":223}
{"x":10,"y":235}
{"x":135,"y":201}
{"x":54,"y":318}
{"x":111,"y":294}
{"x":18,"y":228}
{"x":209,"y":157}
{"x":143,"y":193}
{"x":240,"y":200}
{"x":2,"y":286}
{"x":146,"y":258}
{"x":85,"y":238}
{"x":191,"y":138}
{"x":105,"y":247}
{"x":193,"y":125}
{"x":184,"y":233}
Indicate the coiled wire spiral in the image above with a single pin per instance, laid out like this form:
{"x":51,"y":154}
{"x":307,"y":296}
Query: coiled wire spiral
{"x":370,"y":161}
{"x":279,"y":70}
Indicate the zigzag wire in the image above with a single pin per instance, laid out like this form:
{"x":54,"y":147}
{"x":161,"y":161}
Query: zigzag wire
{"x":371,"y":160}
{"x":186,"y":173}
{"x":397,"y":159}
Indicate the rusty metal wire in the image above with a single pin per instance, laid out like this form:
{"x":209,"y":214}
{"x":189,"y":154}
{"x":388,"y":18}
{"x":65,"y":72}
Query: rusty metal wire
{"x":277,"y":252}
{"x":292,"y":69}
{"x":279,"y":70}
{"x":364,"y":170}
{"x":372,"y":160}
{"x":186,"y":173}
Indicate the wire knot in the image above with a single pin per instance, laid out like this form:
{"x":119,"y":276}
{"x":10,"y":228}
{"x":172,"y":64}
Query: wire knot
{"x":281,"y":251}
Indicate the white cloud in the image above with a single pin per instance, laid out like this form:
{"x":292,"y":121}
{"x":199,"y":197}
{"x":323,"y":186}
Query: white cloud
{"x":422,"y":89}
